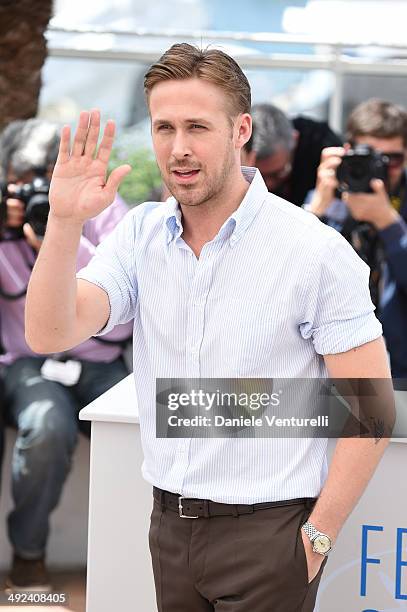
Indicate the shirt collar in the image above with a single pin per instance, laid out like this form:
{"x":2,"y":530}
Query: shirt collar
{"x":240,"y":219}
{"x":173,"y":220}
{"x":251,"y":203}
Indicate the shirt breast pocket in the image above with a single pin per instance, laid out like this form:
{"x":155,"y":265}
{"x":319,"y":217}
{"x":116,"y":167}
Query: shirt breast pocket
{"x":254,"y":333}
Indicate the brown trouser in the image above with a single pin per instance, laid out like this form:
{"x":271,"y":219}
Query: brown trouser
{"x":247,"y":563}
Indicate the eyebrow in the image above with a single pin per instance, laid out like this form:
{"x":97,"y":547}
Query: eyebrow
{"x":198,"y":120}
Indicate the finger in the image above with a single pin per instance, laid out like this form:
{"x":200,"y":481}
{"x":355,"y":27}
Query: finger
{"x":115,"y":178}
{"x":105,"y":147}
{"x":331,"y":151}
{"x":80,"y":134}
{"x":93,"y":133}
{"x":331,"y":162}
{"x":28,"y":232}
{"x":327,"y":179}
{"x":327,"y":173}
{"x":377,"y":185}
{"x":64,"y":145}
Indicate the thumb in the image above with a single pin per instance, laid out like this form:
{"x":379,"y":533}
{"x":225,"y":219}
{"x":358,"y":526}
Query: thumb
{"x":116,"y":177}
{"x":31,"y":237}
{"x":378,"y":186}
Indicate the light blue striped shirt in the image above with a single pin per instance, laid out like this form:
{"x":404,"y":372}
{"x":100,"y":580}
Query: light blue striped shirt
{"x":274,"y":291}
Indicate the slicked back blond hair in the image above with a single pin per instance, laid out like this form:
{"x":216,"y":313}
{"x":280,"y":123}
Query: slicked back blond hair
{"x":183,"y":61}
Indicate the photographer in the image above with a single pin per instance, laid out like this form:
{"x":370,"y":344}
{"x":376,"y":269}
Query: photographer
{"x":287,"y":152}
{"x":42,"y":395}
{"x":372,"y":210}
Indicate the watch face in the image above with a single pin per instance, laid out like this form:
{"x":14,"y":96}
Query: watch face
{"x":322,"y":544}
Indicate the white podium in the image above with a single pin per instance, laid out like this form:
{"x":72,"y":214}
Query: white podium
{"x":366,"y":572}
{"x":119,"y":574}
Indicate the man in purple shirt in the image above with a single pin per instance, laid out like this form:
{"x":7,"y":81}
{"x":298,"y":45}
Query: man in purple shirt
{"x":42,"y":396}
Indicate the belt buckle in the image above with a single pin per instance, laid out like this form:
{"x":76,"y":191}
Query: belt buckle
{"x":180,"y":509}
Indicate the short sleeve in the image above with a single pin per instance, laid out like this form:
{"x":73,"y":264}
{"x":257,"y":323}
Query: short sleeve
{"x":338,"y":311}
{"x":113,"y":269}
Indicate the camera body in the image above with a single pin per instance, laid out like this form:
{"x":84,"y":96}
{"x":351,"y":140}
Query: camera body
{"x":359,"y":166}
{"x":34,"y":196}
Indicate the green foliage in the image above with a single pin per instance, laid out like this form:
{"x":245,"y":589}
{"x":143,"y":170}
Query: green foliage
{"x":144,"y":177}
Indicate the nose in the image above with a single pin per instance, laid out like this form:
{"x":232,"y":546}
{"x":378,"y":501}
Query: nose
{"x":180,"y":145}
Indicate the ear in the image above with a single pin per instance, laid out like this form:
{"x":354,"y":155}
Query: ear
{"x":244,"y":130}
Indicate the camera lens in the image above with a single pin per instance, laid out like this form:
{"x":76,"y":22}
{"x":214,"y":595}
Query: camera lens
{"x":358,"y":169}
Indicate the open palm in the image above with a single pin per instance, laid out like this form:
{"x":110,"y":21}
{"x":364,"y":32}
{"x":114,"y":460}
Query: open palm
{"x":79,"y":187}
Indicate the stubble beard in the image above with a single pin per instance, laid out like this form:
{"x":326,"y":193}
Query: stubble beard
{"x":189,"y":195}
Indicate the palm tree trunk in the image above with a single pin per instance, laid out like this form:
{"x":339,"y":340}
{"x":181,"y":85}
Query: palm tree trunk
{"x":22,"y":54}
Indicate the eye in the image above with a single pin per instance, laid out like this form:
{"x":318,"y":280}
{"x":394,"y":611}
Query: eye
{"x":163,"y":127}
{"x":196,"y":126}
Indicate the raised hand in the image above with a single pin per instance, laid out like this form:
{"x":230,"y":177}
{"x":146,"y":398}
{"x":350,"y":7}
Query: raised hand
{"x":79,"y":187}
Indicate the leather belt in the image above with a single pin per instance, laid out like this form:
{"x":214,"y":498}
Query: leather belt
{"x":191,"y":508}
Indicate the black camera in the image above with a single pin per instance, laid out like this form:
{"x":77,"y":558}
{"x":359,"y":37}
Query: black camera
{"x":359,"y":166}
{"x":34,"y":196}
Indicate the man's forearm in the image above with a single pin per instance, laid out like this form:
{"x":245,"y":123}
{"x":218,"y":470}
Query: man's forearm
{"x":351,"y":468}
{"x":51,"y":295}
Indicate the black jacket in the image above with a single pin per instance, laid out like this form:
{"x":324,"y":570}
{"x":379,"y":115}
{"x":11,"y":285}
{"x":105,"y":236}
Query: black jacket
{"x":313,"y":137}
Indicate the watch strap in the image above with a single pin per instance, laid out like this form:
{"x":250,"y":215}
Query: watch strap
{"x":310,"y":530}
